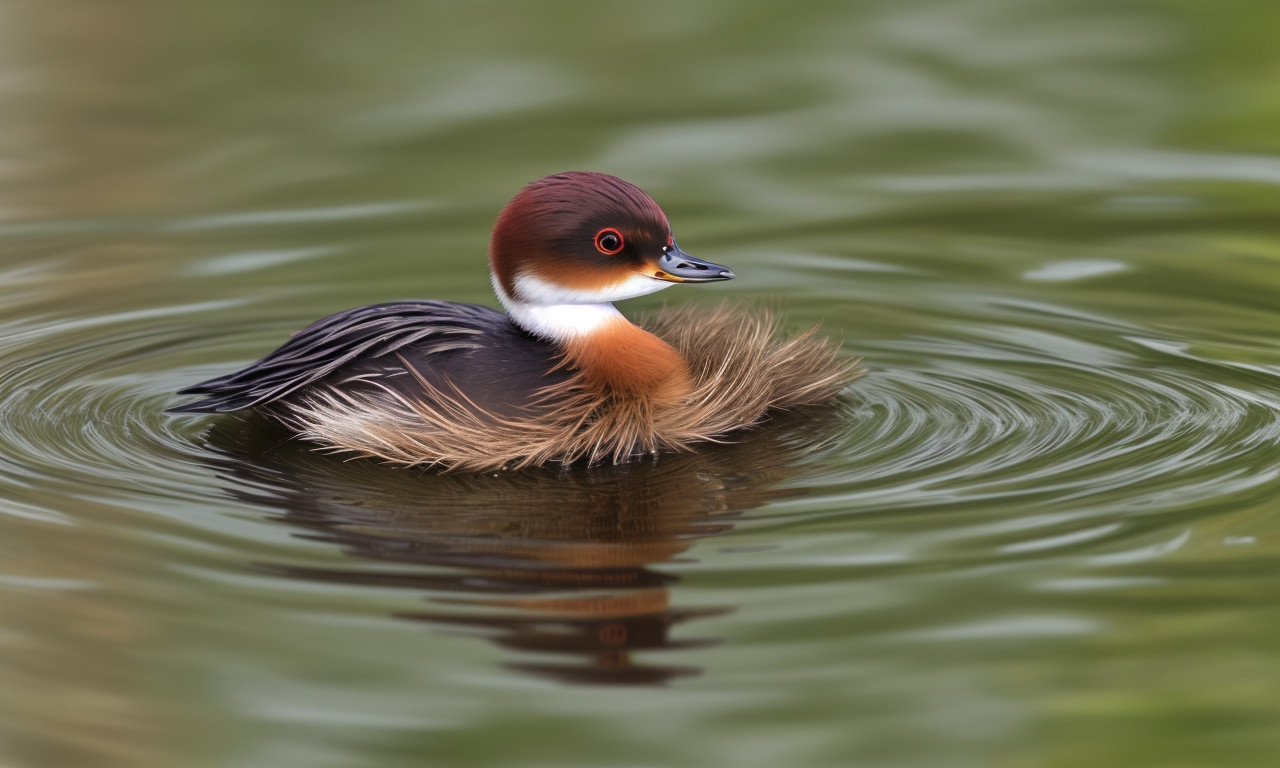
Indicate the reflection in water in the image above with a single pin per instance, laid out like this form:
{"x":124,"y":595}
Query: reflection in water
{"x":545,"y":561}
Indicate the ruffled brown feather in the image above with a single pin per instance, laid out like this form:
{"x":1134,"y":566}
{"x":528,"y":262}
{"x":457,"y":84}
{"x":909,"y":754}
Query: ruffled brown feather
{"x":742,"y":366}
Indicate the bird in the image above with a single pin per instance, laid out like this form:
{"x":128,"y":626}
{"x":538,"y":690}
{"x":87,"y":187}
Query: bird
{"x":559,"y":376}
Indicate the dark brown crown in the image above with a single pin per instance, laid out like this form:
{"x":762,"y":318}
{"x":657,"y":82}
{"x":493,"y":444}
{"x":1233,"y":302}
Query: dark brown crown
{"x":550,"y":228}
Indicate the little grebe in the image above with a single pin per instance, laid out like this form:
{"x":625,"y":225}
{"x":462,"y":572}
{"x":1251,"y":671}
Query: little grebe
{"x":561,"y":376}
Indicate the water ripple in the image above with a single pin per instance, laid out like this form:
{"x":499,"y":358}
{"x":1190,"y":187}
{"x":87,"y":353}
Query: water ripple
{"x":1086,"y":428}
{"x":995,"y":411}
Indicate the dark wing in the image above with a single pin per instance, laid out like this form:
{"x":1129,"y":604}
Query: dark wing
{"x":350,"y":338}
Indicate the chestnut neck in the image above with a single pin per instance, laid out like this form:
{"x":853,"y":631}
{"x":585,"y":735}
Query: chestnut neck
{"x":614,"y":355}
{"x":622,"y":359}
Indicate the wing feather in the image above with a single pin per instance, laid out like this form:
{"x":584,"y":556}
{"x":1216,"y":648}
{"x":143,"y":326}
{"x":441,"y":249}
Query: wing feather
{"x":340,"y":340}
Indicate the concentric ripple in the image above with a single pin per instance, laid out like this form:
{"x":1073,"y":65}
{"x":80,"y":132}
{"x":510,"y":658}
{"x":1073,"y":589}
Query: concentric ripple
{"x":83,"y":403}
{"x":963,"y":429}
{"x":1083,"y":422}
{"x":1035,"y":403}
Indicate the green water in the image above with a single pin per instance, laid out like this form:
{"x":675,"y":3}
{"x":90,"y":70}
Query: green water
{"x":1043,"y":530}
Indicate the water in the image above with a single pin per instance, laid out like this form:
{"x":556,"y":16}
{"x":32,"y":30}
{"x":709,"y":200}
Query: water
{"x":1042,"y":530}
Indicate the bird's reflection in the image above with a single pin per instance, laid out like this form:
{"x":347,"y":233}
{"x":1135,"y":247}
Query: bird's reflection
{"x":552,"y":563}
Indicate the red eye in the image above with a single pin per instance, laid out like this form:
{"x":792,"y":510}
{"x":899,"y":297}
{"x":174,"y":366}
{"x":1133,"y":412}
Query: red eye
{"x":609,"y":241}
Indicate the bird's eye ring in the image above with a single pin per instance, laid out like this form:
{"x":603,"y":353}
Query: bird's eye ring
{"x":609,"y":241}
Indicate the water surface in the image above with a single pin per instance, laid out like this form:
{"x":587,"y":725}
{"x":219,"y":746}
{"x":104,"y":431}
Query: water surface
{"x":1043,"y":530}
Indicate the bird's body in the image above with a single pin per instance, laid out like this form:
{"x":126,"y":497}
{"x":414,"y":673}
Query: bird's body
{"x":562,"y":375}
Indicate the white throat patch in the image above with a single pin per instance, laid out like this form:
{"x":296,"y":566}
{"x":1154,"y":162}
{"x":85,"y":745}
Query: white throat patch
{"x":535,"y":290}
{"x":558,"y":313}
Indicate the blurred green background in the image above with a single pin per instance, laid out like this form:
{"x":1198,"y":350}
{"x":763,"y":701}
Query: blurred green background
{"x":1043,"y":530}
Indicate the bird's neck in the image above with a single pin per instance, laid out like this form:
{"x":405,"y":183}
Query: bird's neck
{"x":621,"y":358}
{"x":614,"y":355}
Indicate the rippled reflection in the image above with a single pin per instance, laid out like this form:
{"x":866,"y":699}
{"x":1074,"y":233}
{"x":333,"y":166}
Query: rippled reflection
{"x":544,"y":562}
